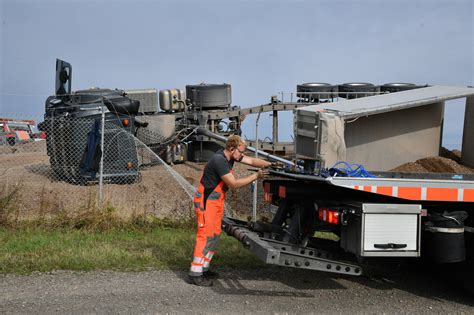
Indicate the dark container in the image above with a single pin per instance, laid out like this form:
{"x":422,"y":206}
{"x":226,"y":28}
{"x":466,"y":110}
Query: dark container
{"x":443,"y":237}
{"x":209,"y":96}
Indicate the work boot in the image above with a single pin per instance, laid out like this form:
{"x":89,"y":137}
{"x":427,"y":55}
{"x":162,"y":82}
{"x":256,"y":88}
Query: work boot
{"x":210,"y":274}
{"x":200,"y":281}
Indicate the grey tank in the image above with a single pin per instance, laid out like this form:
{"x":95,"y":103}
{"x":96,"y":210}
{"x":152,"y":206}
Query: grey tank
{"x":209,"y":96}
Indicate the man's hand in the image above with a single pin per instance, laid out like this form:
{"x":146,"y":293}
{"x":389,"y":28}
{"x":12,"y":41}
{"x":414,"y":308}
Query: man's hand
{"x":262,"y":174}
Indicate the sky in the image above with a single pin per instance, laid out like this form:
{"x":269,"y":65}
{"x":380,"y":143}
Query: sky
{"x":260,"y":47}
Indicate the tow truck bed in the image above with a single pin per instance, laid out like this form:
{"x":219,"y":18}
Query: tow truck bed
{"x":426,"y":189}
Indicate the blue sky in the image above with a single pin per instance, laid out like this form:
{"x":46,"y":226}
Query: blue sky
{"x":259,"y":47}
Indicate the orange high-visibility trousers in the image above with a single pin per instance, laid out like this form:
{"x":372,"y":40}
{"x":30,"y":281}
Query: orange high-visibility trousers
{"x":209,"y":221}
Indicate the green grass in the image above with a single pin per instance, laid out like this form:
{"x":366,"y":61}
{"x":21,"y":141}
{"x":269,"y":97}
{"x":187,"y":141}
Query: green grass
{"x":23,"y":251}
{"x":93,"y":238}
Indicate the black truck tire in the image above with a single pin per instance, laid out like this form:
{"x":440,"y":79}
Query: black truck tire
{"x":315,"y":91}
{"x":398,"y":87}
{"x":357,"y":90}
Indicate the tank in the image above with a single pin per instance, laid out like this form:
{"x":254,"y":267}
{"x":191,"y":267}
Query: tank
{"x":443,"y":237}
{"x":172,"y":100}
{"x":209,"y":96}
{"x":357,"y":90}
{"x":398,"y":87}
{"x":316,"y":91}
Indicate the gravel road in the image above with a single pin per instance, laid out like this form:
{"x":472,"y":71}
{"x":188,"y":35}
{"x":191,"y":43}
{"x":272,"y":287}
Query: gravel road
{"x":271,"y":290}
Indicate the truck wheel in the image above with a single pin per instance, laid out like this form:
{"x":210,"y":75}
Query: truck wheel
{"x":315,"y":91}
{"x":398,"y":87}
{"x":11,"y":141}
{"x":357,"y":90}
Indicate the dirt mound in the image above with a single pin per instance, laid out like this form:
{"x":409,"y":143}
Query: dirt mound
{"x":454,"y":155}
{"x":436,"y":164}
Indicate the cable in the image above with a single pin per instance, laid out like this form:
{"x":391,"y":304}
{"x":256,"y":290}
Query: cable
{"x":350,"y":170}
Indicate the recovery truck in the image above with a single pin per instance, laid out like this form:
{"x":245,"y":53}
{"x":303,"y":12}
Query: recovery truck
{"x":369,"y":214}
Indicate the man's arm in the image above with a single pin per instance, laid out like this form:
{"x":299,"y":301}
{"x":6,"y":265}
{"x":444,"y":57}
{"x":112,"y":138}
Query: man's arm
{"x":255,"y":162}
{"x":232,"y":182}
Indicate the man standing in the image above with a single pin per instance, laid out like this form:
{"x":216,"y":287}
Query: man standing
{"x":217,"y":177}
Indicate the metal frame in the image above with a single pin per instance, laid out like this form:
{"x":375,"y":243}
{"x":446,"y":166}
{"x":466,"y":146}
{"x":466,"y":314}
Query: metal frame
{"x":284,"y":254}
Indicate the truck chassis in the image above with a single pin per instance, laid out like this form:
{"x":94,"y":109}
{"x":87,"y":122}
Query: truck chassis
{"x":373,"y":217}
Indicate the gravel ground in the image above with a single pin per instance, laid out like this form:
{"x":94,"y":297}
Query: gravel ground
{"x":271,"y":290}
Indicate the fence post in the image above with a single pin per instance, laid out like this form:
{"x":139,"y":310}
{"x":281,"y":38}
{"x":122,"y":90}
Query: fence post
{"x":255,"y":183}
{"x":101,"y":170}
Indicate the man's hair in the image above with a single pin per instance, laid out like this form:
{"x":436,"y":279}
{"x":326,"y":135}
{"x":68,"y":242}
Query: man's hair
{"x":234,"y":141}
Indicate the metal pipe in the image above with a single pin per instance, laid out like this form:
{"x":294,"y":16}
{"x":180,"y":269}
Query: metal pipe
{"x":275,"y":128}
{"x":205,"y":132}
{"x":101,"y":171}
{"x":254,"y":201}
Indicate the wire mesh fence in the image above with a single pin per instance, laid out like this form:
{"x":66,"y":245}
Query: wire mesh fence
{"x":78,"y":163}
{"x":82,"y":162}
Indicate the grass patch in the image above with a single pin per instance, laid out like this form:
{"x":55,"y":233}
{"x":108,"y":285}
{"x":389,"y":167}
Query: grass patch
{"x":36,"y":249}
{"x":93,"y":238}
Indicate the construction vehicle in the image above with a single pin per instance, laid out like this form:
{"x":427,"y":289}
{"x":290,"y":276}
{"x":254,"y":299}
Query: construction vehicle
{"x":367,"y":214}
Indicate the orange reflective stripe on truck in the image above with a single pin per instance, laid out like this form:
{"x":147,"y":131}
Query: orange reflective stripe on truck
{"x":447,"y":194}
{"x":367,"y":188}
{"x":411,"y":193}
{"x":421,"y":193}
{"x":385,"y":190}
{"x":468,"y":195}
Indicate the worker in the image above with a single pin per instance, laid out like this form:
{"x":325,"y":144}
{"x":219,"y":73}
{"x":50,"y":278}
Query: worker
{"x":217,"y":177}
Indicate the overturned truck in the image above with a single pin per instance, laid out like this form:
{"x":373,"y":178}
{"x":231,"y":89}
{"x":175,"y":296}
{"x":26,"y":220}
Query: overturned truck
{"x":74,"y":132}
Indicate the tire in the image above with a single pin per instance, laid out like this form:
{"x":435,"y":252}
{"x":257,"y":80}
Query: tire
{"x":11,"y":141}
{"x":316,"y":91}
{"x":397,"y":87}
{"x":357,"y":90}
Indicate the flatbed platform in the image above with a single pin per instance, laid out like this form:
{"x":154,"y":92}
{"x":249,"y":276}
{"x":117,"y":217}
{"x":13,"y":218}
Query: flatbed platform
{"x":399,"y":187}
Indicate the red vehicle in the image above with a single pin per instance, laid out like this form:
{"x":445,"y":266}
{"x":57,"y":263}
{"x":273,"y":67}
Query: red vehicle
{"x":19,"y":130}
